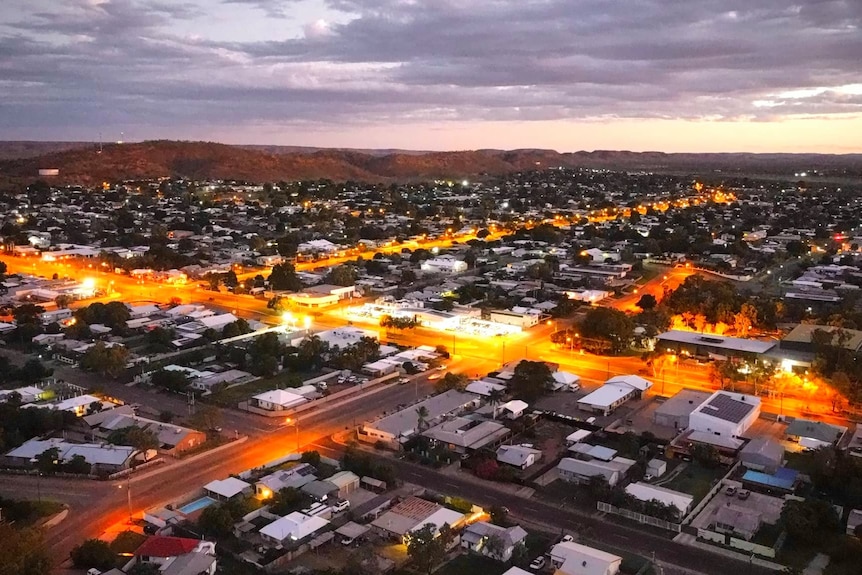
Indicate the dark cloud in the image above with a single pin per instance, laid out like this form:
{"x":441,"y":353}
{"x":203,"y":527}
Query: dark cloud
{"x":123,"y":62}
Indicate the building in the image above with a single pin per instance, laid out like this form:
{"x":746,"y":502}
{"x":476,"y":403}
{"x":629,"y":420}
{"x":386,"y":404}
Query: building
{"x":782,"y":482}
{"x":762,"y":454}
{"x":854,"y":520}
{"x":447,"y":265}
{"x":522,"y":320}
{"x":295,"y":477}
{"x":475,"y":537}
{"x":346,"y":481}
{"x":737,"y":521}
{"x":226,"y":489}
{"x":579,"y":471}
{"x":675,"y":411}
{"x":292,"y":528}
{"x":570,"y":558}
{"x":646,"y":492}
{"x":172,"y":439}
{"x":513,"y":409}
{"x":463,"y":435}
{"x":277,"y":400}
{"x":814,"y":434}
{"x":616,"y":391}
{"x":413,"y":513}
{"x":725,"y":414}
{"x":401,"y":425}
{"x":713,"y":346}
{"x":104,"y":458}
{"x":519,"y":456}
{"x":801,"y":338}
{"x":174,"y":555}
{"x":320,"y":490}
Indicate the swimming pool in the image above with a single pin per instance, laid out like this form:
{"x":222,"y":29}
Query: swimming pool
{"x":196,"y":505}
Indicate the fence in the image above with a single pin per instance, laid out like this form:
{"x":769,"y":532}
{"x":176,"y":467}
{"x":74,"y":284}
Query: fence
{"x":639,"y":517}
{"x":708,"y":497}
{"x":728,"y":540}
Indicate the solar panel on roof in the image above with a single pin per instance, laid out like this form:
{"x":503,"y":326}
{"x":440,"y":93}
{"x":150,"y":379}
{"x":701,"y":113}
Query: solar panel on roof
{"x":725,"y":407}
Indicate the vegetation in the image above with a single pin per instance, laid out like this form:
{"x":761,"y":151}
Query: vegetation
{"x":22,"y":551}
{"x":531,"y":380}
{"x":93,"y":553}
{"x":427,"y":548}
{"x":109,"y":361}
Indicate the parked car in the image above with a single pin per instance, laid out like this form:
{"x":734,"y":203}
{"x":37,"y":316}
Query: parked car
{"x":730,"y":490}
{"x":567,"y":538}
{"x":744,"y":494}
{"x":538,"y":563}
{"x":343,"y":505}
{"x":402,"y":380}
{"x":347,"y":542}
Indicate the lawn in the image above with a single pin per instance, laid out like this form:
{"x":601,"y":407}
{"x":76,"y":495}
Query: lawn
{"x":696,"y":480}
{"x":27,"y":512}
{"x":800,"y":461}
{"x":471,"y":565}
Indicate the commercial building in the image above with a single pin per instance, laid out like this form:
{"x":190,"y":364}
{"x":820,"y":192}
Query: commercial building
{"x":675,"y":411}
{"x":726,"y":414}
{"x":714,"y":346}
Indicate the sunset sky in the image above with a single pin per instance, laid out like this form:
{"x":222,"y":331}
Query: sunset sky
{"x":670,"y":75}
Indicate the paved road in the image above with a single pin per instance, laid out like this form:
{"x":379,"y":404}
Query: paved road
{"x":622,"y":535}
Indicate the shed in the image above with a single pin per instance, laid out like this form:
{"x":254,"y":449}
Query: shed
{"x":372,"y":484}
{"x":320,"y":490}
{"x":224,"y":489}
{"x":346,"y":481}
{"x":656,"y":467}
{"x":352,"y":530}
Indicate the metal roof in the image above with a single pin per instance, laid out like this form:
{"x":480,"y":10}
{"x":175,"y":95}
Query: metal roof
{"x":723,"y":406}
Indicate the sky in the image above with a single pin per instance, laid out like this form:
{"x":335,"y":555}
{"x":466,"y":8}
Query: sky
{"x":667,"y":75}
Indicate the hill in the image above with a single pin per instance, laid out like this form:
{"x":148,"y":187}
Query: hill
{"x":83,"y":163}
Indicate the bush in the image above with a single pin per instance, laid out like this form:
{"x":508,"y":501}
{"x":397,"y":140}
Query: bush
{"x":93,"y":553}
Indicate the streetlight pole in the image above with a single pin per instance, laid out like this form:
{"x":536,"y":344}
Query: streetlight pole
{"x":128,"y":494}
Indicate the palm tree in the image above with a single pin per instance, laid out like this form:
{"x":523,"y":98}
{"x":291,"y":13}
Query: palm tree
{"x":495,"y":396}
{"x":422,"y":414}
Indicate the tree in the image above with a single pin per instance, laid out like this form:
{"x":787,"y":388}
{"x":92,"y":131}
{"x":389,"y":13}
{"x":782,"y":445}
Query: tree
{"x":93,"y":553}
{"x":170,"y":379}
{"x":207,"y":417}
{"x":107,"y":361}
{"x":283,"y":277}
{"x":215,"y":520}
{"x":134,"y":436}
{"x":426,"y":548}
{"x":33,"y":371}
{"x":342,"y":276}
{"x":63,"y":300}
{"x":610,"y":325}
{"x":278,"y":304}
{"x":214,"y":281}
{"x":230,"y":280}
{"x":288,"y":500}
{"x":451,"y":381}
{"x":78,"y":464}
{"x":530,"y":380}
{"x":422,"y":418}
{"x":310,"y":457}
{"x":28,"y":314}
{"x":495,"y":396}
{"x":647,"y":302}
{"x":236,"y":328}
{"x":48,"y":460}
{"x":22,"y":551}
{"x":499,"y":515}
{"x":809,"y":522}
{"x":745,"y":319}
{"x":494,"y":547}
{"x":161,"y":337}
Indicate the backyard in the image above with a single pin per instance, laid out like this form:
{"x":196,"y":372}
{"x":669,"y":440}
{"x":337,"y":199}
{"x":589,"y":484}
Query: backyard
{"x":696,"y":480}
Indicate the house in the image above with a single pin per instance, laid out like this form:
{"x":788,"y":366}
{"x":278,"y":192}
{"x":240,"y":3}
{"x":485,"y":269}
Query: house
{"x":676,"y":410}
{"x":103,"y":458}
{"x":737,"y":521}
{"x":463,"y":435}
{"x":320,"y":490}
{"x":346,"y":481}
{"x":444,"y":265}
{"x":579,"y":471}
{"x":172,"y":438}
{"x":484,"y":387}
{"x":226,"y":489}
{"x":411,"y":514}
{"x":668,"y":497}
{"x":295,"y":477}
{"x":762,"y":454}
{"x":513,"y":409}
{"x":519,"y":456}
{"x":616,"y":391}
{"x":401,"y":425}
{"x":475,"y":538}
{"x":277,"y":400}
{"x":725,"y":414}
{"x":814,"y":434}
{"x":571,"y":558}
{"x":162,"y":551}
{"x":292,"y":528}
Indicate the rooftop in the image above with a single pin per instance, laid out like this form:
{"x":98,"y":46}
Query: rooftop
{"x":737,"y":344}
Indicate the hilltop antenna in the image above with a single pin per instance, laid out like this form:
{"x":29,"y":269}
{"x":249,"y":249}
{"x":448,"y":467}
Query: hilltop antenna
{"x":100,"y":142}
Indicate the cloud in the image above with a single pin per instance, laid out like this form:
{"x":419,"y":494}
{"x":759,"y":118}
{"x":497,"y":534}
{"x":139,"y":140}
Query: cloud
{"x":363,"y":62}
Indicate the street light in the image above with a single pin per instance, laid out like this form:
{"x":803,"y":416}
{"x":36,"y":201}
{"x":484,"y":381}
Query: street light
{"x":128,"y":494}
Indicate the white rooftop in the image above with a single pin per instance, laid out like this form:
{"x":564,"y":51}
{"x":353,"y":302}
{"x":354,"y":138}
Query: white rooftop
{"x":647,"y":492}
{"x":295,"y":526}
{"x":227,"y":488}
